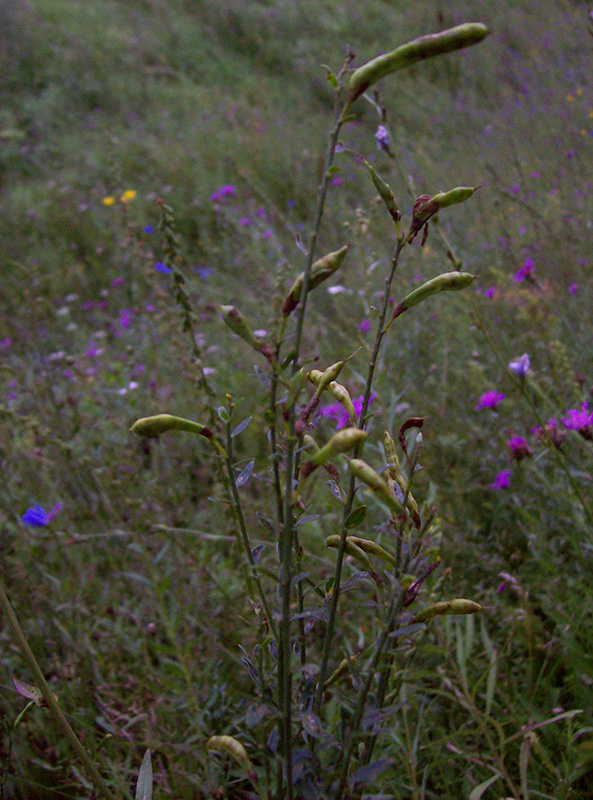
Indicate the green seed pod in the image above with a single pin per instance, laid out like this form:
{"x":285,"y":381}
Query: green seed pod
{"x":391,"y":456}
{"x":446,"y":282}
{"x":341,"y":442}
{"x":456,"y":607}
{"x":374,"y":549}
{"x":458,"y":195}
{"x":417,"y":50}
{"x":237,"y":323}
{"x":320,"y":270}
{"x":376,"y":484}
{"x":234,"y":748}
{"x":385,"y":192}
{"x":329,"y":375}
{"x":161,"y":423}
{"x":315,"y":376}
{"x":340,"y":670}
{"x":395,"y":474}
{"x":352,"y":550}
{"x":341,"y":394}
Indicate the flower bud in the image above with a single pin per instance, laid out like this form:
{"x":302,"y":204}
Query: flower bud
{"x":320,"y":270}
{"x":417,"y":50}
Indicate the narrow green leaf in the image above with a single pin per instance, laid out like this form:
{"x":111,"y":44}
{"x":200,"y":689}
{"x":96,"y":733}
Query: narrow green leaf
{"x":479,"y":790}
{"x":356,"y":517}
{"x":144,"y":783}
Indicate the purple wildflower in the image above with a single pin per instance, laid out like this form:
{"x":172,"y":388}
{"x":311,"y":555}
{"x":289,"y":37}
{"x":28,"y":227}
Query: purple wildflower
{"x":490,"y":292}
{"x":338,"y":412}
{"x":573,"y":287}
{"x":490,"y":400}
{"x":382,"y":137}
{"x":38,"y":517}
{"x":525,"y":273}
{"x":520,"y":449}
{"x":118,"y":281}
{"x":148,"y":229}
{"x":502,"y":480}
{"x":579,"y":420}
{"x":228,"y":190}
{"x":365,"y":326}
{"x":521,"y":366}
{"x":160,"y":266}
{"x":125,"y":318}
{"x":5,"y":343}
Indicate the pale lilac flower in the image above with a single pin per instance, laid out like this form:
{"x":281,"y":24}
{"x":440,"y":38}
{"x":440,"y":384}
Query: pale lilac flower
{"x":502,"y":480}
{"x":490,"y":400}
{"x":521,"y":366}
{"x":573,"y":287}
{"x":125,"y":318}
{"x":382,"y":137}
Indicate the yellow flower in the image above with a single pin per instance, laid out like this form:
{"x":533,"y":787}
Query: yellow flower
{"x":108,"y":201}
{"x":128,"y":195}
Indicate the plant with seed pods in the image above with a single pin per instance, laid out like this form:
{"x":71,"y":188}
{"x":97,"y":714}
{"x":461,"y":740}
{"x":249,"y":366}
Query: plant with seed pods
{"x":304,"y":753}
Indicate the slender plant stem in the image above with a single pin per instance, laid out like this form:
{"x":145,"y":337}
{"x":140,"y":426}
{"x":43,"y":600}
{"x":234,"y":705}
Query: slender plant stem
{"x":49,"y":698}
{"x":333,"y":606}
{"x":287,"y":531}
{"x":243,"y":529}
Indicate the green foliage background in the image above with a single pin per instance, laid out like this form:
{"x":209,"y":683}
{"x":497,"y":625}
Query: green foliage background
{"x":134,"y":598}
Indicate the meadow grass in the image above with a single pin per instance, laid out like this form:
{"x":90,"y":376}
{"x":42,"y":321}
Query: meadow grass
{"x":134,"y":596}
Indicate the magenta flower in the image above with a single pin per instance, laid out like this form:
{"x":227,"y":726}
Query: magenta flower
{"x":520,"y":449}
{"x":526,"y":273}
{"x":502,"y":480}
{"x":228,"y":190}
{"x":490,"y":400}
{"x":579,"y":420}
{"x":521,"y":366}
{"x":365,"y":326}
{"x":338,"y":412}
